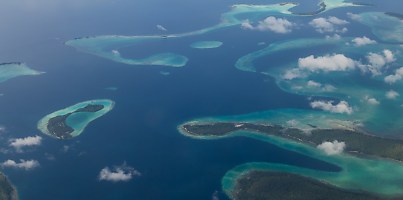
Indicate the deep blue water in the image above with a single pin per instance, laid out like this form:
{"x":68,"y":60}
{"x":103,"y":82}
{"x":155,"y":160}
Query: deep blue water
{"x":141,"y":130}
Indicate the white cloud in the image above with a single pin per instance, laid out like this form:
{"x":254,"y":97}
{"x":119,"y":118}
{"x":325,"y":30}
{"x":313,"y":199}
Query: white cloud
{"x":313,"y":84}
{"x":380,"y":60}
{"x":247,"y":25}
{"x":292,"y":74}
{"x":391,"y":94}
{"x":341,"y":107}
{"x":277,"y":25}
{"x":319,"y":86}
{"x":377,"y":61}
{"x":336,"y":62}
{"x":337,"y":21}
{"x":332,"y":148}
{"x":328,"y":88}
{"x":353,"y":16}
{"x":161,"y":28}
{"x":118,"y":174}
{"x":18,"y":143}
{"x":23,"y":164}
{"x":361,"y":41}
{"x":394,"y":77}
{"x":371,"y":100}
{"x":330,"y":24}
{"x":389,"y":56}
{"x":115,"y":52}
{"x":334,"y":37}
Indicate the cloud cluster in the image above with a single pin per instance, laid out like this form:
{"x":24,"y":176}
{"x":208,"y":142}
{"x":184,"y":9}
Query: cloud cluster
{"x":377,"y":62}
{"x":330,"y":24}
{"x":118,"y":174}
{"x":23,"y":164}
{"x":334,"y":37}
{"x":332,"y":148}
{"x":341,"y":107}
{"x":394,"y":77}
{"x":277,"y":25}
{"x":391,"y":94}
{"x":19,"y":143}
{"x":336,"y":62}
{"x":361,"y":41}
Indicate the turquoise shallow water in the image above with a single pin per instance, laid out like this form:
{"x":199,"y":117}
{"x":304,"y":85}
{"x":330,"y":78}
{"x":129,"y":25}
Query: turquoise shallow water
{"x":206,"y":44}
{"x":13,"y":70}
{"x":77,"y":121}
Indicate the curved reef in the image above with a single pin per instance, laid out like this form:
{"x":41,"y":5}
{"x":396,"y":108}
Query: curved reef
{"x":71,"y":121}
{"x":13,"y":70}
{"x":7,"y":191}
{"x":206,"y":44}
{"x":108,"y":46}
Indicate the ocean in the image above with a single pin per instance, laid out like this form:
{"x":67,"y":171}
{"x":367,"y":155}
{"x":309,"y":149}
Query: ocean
{"x":141,"y":130}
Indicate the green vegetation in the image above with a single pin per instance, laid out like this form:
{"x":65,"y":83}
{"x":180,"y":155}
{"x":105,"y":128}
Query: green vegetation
{"x":7,"y":191}
{"x":356,"y":142}
{"x":266,"y":185}
{"x":57,"y":125}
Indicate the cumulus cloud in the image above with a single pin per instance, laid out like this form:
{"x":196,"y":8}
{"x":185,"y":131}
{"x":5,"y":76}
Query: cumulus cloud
{"x":377,"y":61}
{"x":277,"y":25}
{"x":371,"y":100}
{"x":161,"y":28}
{"x":23,"y":164}
{"x":332,"y":148}
{"x":353,"y":16}
{"x":330,"y":24}
{"x":334,"y":37}
{"x":391,"y":94}
{"x":361,"y":41}
{"x":19,"y":143}
{"x":247,"y":25}
{"x":292,"y":74}
{"x":315,"y":85}
{"x":336,"y":62}
{"x":341,"y":107}
{"x":380,"y":60}
{"x":394,"y":77}
{"x":118,"y":174}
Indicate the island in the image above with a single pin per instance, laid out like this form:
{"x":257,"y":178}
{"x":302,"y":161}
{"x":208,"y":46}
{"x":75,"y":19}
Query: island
{"x":268,"y":185}
{"x":358,"y":143}
{"x":7,"y":190}
{"x":71,"y":122}
{"x":15,"y":69}
{"x":397,"y":15}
